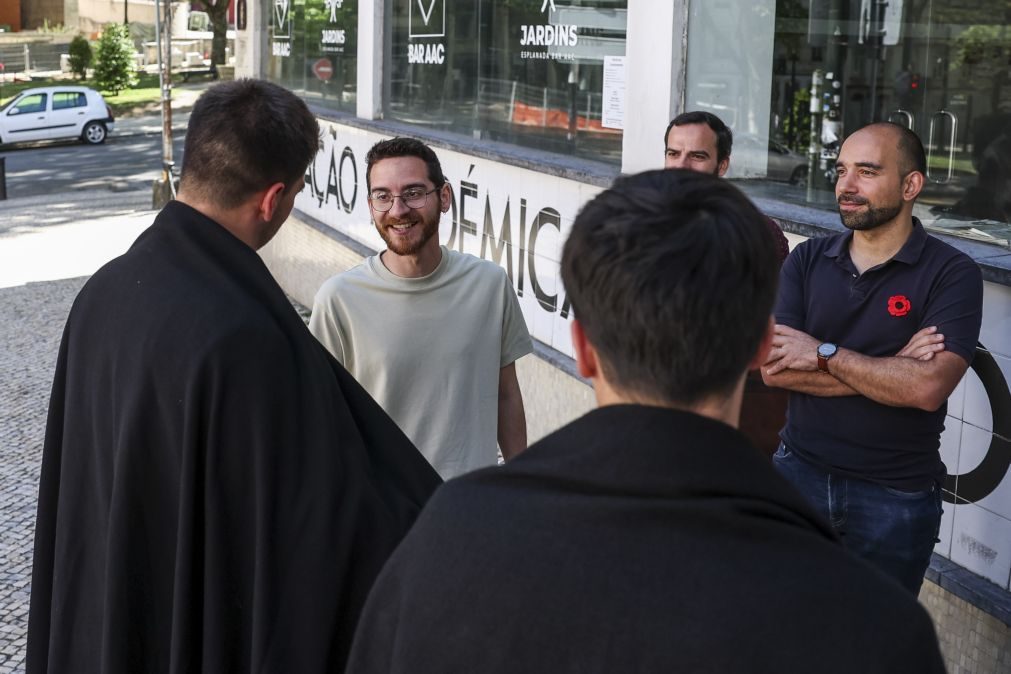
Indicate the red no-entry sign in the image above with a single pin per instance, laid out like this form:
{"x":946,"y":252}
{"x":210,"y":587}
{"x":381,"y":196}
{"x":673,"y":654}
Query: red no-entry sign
{"x":323,"y":69}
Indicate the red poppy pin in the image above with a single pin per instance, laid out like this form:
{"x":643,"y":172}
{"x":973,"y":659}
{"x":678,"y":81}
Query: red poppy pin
{"x":899,"y":305}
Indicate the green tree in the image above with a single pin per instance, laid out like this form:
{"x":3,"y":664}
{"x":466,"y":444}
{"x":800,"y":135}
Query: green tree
{"x":80,"y":56}
{"x":114,"y":70}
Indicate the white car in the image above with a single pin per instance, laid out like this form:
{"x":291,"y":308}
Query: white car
{"x":53,"y":113}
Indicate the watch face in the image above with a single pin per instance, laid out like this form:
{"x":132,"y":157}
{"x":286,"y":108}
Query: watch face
{"x":826,"y":350}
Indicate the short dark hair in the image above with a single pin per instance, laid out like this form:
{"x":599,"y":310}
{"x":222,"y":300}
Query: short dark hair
{"x":724,"y":136}
{"x":243,"y":136}
{"x":672,"y":275}
{"x":402,"y":146}
{"x":912,"y":156}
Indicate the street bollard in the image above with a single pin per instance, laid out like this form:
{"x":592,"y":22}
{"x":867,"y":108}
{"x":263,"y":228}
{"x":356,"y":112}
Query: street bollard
{"x":3,"y":178}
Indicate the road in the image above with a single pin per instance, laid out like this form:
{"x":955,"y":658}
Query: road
{"x":123,"y":163}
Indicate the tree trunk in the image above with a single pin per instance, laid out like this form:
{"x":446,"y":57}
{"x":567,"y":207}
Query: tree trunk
{"x":218,"y":12}
{"x":220,"y":24}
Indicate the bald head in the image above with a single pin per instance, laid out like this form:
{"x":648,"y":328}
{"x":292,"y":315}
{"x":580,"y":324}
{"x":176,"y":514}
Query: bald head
{"x":910,"y":154}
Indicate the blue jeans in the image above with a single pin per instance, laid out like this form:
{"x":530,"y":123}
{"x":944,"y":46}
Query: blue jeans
{"x":893,"y":530}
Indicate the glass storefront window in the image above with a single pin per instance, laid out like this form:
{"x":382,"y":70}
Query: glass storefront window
{"x":941,"y":67}
{"x":527,"y":72}
{"x":314,"y":50}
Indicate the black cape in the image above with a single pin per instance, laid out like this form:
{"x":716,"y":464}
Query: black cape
{"x":636,"y":539}
{"x":217,"y":493}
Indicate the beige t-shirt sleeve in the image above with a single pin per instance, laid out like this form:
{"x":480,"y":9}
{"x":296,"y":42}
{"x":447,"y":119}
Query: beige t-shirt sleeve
{"x":324,"y":322}
{"x":516,"y":340}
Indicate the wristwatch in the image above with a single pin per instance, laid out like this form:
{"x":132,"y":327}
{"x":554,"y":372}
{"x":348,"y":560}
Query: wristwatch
{"x":825,"y":351}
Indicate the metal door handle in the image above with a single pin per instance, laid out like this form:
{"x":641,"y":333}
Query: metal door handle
{"x":941,"y":114}
{"x":904,"y":114}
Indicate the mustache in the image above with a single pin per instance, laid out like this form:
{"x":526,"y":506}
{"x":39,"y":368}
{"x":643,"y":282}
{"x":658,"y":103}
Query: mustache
{"x":851,"y":200}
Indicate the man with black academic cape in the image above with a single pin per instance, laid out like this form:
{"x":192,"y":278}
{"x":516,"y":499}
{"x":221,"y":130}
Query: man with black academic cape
{"x":217,"y":494}
{"x":648,"y":535}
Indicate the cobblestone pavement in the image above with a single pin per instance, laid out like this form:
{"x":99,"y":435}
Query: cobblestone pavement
{"x":32,"y":321}
{"x":46,"y":253}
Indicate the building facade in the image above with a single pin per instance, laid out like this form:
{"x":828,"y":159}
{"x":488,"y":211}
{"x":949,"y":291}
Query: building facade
{"x":536,"y":105}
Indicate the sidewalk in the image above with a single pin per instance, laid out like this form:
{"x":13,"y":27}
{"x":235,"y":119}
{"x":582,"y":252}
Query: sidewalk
{"x":134,"y":126}
{"x":183,"y":99}
{"x":48,"y":247}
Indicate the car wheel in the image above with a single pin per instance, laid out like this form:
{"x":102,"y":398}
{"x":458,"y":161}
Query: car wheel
{"x":799,"y":175}
{"x":94,"y":133}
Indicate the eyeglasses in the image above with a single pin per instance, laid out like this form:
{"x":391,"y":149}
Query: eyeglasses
{"x":415,"y":197}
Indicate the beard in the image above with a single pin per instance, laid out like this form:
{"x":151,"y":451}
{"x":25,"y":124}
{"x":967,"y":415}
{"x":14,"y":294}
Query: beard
{"x":870,"y":218}
{"x":429,"y":227}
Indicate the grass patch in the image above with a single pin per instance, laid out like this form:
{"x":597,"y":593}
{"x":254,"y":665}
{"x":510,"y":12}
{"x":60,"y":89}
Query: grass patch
{"x":141,"y":99}
{"x":961,"y":164}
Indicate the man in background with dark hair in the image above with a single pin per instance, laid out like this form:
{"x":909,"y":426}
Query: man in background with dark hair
{"x":700,"y":141}
{"x":217,"y":494}
{"x":875,"y":328}
{"x":431,"y":333}
{"x":647,"y":536}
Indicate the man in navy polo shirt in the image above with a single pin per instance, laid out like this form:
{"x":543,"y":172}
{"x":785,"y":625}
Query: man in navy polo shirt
{"x":875,"y":328}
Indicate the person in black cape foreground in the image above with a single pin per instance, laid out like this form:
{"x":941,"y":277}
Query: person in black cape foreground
{"x":649,"y":535}
{"x":217,"y":493}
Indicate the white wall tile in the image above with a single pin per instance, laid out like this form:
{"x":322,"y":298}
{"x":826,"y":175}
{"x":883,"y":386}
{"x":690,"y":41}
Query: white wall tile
{"x":951,"y":440}
{"x":974,"y":447}
{"x":956,"y":401}
{"x":996,"y":331}
{"x":561,"y":338}
{"x":981,"y":542}
{"x":976,"y":408}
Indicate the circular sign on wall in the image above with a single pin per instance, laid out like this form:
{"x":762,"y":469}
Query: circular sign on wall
{"x":323,"y":69}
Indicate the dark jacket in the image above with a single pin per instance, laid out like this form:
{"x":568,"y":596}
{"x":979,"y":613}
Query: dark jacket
{"x":635,"y":539}
{"x":217,"y":494}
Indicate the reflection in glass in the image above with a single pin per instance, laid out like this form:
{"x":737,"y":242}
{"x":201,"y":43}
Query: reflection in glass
{"x":802,"y":74}
{"x":527,"y":72}
{"x":314,"y":50}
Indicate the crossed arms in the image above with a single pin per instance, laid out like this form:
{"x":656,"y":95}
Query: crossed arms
{"x":921,"y":375}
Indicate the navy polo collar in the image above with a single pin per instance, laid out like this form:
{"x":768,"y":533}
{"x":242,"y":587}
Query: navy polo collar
{"x":909,"y":253}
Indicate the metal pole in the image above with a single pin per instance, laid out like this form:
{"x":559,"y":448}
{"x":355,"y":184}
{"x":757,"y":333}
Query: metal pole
{"x":166,"y":91}
{"x":3,"y":178}
{"x":164,"y":188}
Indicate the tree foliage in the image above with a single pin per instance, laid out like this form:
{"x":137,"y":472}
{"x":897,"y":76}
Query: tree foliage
{"x":114,"y":70}
{"x":80,"y":56}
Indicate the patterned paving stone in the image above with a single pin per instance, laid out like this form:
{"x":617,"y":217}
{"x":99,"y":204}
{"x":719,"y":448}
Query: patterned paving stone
{"x":48,"y":246}
{"x":31,"y":323}
{"x":42,"y":241}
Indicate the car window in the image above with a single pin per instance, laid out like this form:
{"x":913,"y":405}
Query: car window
{"x":69,"y":99}
{"x":30,"y":103}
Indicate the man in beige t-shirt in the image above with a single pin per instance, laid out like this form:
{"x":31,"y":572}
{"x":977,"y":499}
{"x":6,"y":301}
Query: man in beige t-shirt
{"x":431,"y":333}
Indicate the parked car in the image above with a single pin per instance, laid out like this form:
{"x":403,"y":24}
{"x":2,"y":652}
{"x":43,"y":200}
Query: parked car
{"x":781,"y":163}
{"x":53,"y":113}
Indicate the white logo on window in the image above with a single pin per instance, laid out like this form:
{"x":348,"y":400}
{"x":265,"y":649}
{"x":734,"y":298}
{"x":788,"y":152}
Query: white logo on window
{"x":281,"y":17}
{"x":333,"y":6}
{"x":429,"y":25}
{"x":548,"y":3}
